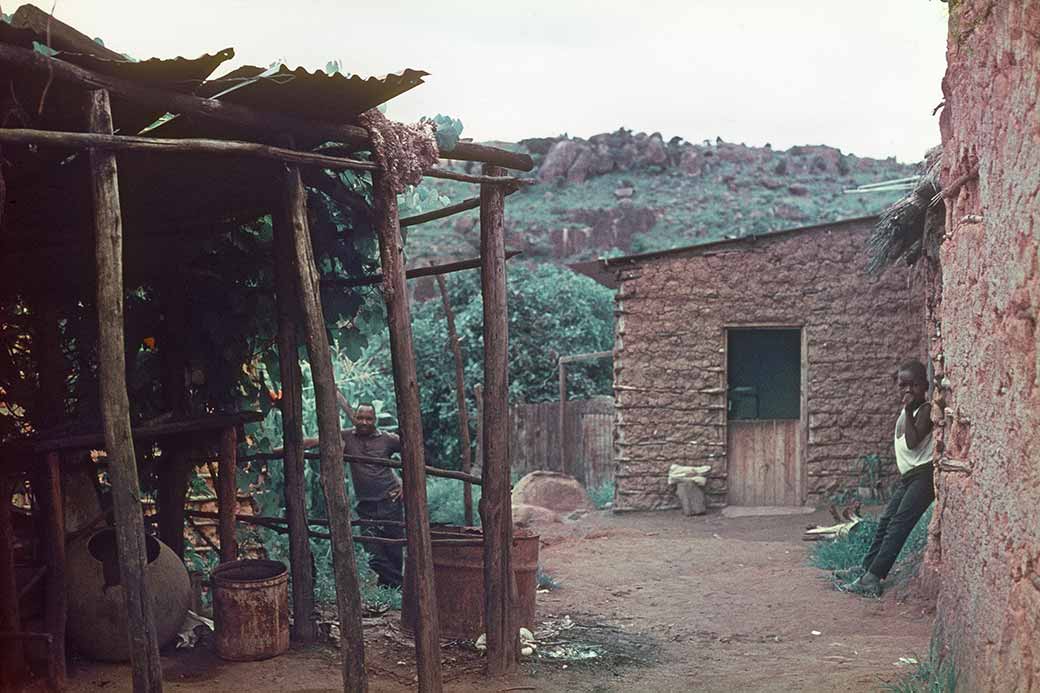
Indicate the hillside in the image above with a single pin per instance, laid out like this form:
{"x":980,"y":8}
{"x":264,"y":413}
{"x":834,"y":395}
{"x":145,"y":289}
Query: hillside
{"x":618,"y":193}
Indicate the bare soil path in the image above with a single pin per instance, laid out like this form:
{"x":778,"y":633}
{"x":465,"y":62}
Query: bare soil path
{"x":669,"y":603}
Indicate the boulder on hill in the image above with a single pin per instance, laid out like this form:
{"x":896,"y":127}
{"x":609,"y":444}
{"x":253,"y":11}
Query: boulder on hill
{"x":557,"y":492}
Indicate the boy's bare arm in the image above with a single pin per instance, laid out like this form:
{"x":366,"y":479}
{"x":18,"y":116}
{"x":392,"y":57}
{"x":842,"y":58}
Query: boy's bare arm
{"x":918,"y":427}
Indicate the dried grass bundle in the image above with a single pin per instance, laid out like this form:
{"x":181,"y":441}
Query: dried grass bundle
{"x":404,"y":151}
{"x":899,"y":233}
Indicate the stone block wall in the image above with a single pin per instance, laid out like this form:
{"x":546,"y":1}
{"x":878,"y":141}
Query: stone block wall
{"x":670,"y":354}
{"x":984,"y":548}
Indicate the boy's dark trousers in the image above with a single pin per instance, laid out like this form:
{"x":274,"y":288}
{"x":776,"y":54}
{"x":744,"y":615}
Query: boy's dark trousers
{"x":387,"y":560}
{"x":911,"y":497}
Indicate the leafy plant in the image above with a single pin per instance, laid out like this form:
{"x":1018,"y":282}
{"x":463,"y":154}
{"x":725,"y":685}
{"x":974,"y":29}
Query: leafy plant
{"x":553,"y":312}
{"x":602,"y":496}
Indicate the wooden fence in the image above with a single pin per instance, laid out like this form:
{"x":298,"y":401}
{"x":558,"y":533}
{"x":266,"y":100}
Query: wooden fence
{"x":586,"y":451}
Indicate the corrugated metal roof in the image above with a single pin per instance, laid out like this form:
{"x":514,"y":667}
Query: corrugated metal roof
{"x":164,"y":198}
{"x":334,"y":98}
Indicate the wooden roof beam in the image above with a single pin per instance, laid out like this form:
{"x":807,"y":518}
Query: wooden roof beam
{"x":263,"y":122}
{"x":83,"y":140}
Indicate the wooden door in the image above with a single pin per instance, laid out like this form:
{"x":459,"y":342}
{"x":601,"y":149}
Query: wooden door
{"x":765,"y":462}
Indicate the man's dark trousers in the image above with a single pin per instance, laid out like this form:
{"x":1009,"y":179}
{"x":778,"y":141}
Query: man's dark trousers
{"x":387,"y":560}
{"x":911,"y":497}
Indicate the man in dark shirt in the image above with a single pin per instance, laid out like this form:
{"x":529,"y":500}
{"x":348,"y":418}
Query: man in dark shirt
{"x":378,"y":491}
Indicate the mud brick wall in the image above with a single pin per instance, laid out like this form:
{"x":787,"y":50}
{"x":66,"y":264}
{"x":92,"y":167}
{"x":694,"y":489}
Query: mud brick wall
{"x":670,"y":356}
{"x":984,"y":547}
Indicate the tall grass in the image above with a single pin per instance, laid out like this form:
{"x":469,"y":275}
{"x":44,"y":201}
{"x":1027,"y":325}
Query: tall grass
{"x":850,"y":550}
{"x":937,"y":674}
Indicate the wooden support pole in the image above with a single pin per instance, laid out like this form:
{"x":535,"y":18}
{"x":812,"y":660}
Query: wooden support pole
{"x":460,"y":399}
{"x":115,"y":407}
{"x":54,"y":612}
{"x":305,"y":627}
{"x":12,"y":661}
{"x":478,"y":395}
{"x":175,"y":469}
{"x":562,"y":417}
{"x":227,"y":494}
{"x":496,"y":510}
{"x":419,"y":568}
{"x":333,"y":479}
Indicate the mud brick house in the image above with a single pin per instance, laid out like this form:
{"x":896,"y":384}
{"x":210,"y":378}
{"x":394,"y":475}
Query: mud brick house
{"x":769,"y":358}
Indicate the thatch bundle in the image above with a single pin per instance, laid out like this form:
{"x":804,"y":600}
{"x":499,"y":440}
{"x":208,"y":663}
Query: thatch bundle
{"x":901,"y":231}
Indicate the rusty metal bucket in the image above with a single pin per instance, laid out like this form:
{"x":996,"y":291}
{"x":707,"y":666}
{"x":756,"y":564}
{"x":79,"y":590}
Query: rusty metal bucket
{"x":458,"y":573}
{"x":251,"y":609}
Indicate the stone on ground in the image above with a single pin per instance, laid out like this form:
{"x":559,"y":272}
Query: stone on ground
{"x":532,"y":515}
{"x":691,"y":495}
{"x":557,"y":492}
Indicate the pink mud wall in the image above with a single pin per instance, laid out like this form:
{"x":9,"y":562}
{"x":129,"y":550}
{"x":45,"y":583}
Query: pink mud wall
{"x":984,"y":552}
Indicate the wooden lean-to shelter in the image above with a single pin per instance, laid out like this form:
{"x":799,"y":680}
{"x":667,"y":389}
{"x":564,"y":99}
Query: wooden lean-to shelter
{"x":115,"y":174}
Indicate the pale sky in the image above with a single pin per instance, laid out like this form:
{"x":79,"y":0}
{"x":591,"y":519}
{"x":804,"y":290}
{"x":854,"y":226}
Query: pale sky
{"x":861,"y":76}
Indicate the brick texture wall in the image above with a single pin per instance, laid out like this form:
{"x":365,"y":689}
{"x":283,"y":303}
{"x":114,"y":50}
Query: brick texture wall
{"x":670,"y":360}
{"x":984,"y":548}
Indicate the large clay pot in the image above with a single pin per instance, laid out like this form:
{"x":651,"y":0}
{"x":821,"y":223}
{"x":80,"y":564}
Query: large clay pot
{"x":97,"y":607}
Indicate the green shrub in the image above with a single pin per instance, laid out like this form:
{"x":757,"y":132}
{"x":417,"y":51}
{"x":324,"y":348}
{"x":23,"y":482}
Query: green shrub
{"x":444,"y":498}
{"x":602,"y":496}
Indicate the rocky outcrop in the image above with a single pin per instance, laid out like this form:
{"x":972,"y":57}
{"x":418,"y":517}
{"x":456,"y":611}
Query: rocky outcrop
{"x":575,"y":160}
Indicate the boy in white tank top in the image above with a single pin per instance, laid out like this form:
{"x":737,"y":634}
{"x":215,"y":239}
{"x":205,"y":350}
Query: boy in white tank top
{"x":914,"y":492}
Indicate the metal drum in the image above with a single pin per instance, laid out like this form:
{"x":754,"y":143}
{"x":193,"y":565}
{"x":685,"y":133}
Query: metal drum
{"x":458,"y":573}
{"x":251,"y":609}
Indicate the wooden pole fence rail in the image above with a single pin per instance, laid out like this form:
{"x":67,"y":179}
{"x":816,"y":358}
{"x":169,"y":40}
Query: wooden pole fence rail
{"x":278,"y":524}
{"x":465,"y":205}
{"x":431,"y":271}
{"x":380,"y":461}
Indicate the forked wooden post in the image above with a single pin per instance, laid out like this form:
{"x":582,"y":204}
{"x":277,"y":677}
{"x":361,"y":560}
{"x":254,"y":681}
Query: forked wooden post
{"x":115,"y":406}
{"x":305,"y":628}
{"x":496,"y":510}
{"x":12,"y":661}
{"x":227,"y":494}
{"x":460,"y":397}
{"x":333,"y":479}
{"x":419,"y":570}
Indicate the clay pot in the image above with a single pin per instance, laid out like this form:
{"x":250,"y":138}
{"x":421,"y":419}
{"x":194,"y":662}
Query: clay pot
{"x":96,"y":601}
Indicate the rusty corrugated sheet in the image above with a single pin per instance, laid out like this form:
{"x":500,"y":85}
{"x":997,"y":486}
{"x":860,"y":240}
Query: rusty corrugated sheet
{"x":333,"y":98}
{"x":313,"y":95}
{"x":184,"y":75}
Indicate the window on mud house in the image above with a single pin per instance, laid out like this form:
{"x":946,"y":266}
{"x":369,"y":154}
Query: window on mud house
{"x":765,"y":373}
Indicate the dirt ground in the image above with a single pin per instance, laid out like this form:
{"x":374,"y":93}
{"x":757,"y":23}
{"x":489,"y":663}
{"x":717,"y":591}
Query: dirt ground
{"x":666,"y":603}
